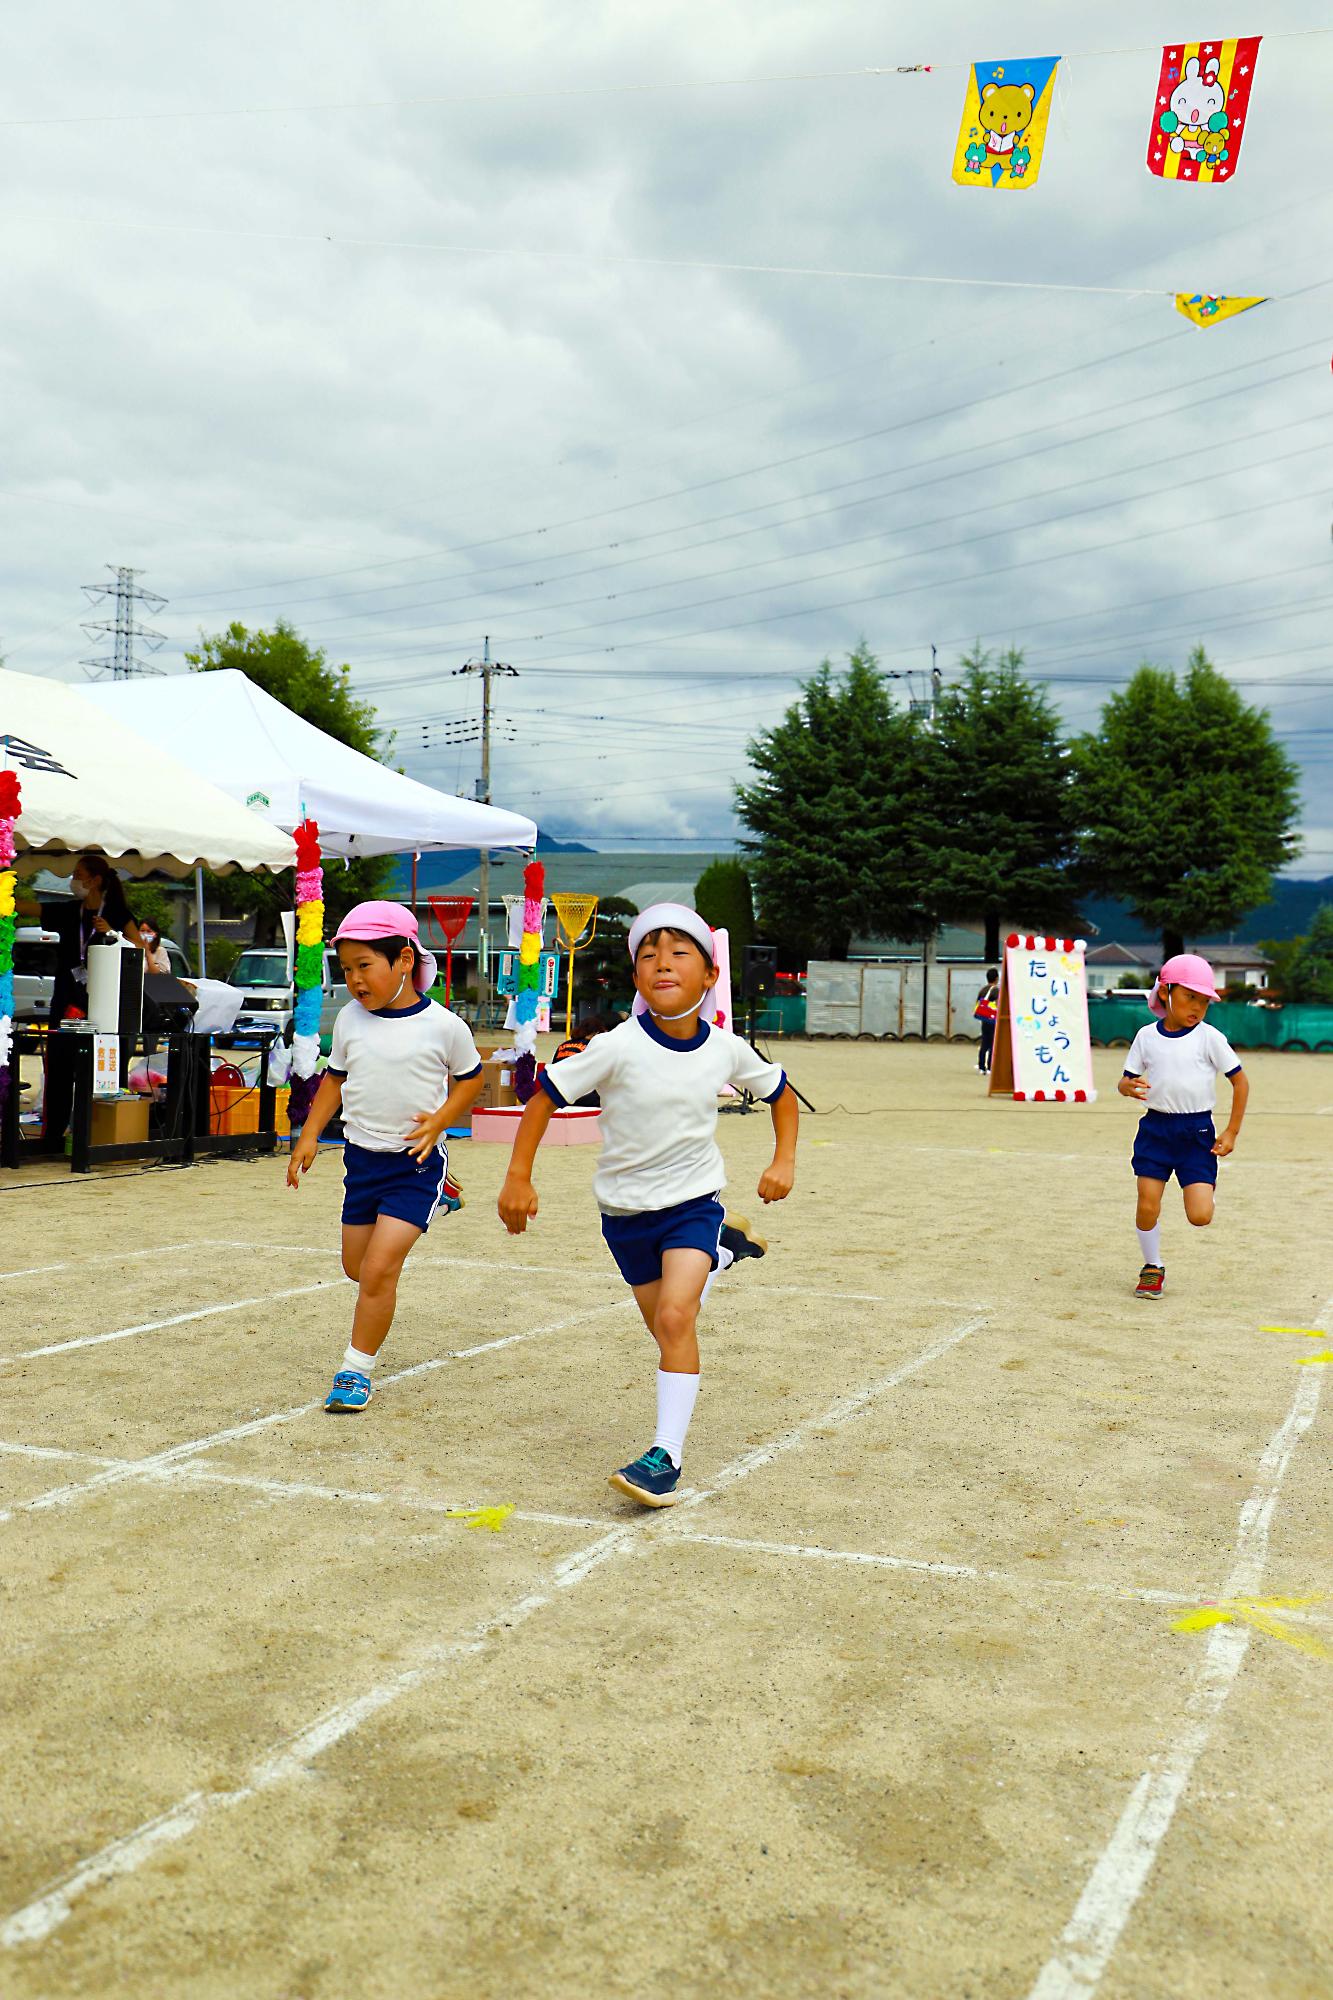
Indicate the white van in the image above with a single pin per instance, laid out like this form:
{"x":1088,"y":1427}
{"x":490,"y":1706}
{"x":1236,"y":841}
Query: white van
{"x":264,"y":973}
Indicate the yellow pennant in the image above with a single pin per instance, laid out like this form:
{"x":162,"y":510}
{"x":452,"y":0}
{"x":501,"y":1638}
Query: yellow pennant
{"x":493,"y":1518}
{"x":1202,"y":310}
{"x":1258,"y":1612}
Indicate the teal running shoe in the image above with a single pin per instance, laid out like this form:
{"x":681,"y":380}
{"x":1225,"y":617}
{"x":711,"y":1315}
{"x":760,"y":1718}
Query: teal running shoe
{"x":651,"y":1480}
{"x":351,"y":1391}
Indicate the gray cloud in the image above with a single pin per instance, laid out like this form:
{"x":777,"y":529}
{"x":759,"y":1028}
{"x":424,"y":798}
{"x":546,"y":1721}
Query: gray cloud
{"x":235,"y":412}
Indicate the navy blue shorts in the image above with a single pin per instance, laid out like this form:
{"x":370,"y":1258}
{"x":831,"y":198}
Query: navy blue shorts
{"x":1176,"y":1142}
{"x":394,"y":1184}
{"x":637,"y":1241}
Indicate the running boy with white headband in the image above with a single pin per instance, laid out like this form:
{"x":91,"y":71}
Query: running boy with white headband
{"x":660,"y":1173}
{"x":403,"y":1069}
{"x":1172,"y":1067}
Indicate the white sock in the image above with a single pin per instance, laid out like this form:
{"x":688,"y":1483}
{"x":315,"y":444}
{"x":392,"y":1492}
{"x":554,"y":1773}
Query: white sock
{"x":725,"y":1259}
{"x":359,"y":1362}
{"x":1149,"y":1244}
{"x":676,"y":1398}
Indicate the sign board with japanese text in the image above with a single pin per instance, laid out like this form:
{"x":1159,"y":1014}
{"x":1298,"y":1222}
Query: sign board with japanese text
{"x":106,"y":1065}
{"x":1043,"y":1053}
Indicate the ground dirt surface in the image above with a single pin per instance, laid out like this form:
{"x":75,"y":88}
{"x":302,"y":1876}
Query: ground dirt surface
{"x":890,"y":1704}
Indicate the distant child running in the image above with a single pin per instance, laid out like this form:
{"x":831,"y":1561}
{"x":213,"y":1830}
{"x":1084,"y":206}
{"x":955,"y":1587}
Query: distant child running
{"x":657,"y":1184}
{"x":402,"y":1069}
{"x":1173,"y":1067}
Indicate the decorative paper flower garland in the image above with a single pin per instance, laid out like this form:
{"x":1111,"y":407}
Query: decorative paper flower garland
{"x":529,"y":981}
{"x":10,"y":808}
{"x":309,"y":971}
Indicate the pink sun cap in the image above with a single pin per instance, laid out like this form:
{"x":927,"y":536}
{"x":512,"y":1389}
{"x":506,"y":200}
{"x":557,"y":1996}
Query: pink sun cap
{"x":1185,"y":969}
{"x":369,"y":922}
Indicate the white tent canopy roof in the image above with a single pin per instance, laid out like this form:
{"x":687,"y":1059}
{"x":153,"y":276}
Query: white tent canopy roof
{"x":282,"y":766}
{"x":88,"y":779}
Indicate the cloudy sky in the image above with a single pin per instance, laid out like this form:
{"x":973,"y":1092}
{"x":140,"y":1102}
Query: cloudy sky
{"x":412,"y":325}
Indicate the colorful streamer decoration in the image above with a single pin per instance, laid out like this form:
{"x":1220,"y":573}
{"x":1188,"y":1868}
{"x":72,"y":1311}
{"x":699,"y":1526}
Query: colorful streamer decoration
{"x":309,"y":971}
{"x":1203,"y":101}
{"x":10,"y":808}
{"x":1205,"y":311}
{"x":1005,"y":114}
{"x":529,"y":983}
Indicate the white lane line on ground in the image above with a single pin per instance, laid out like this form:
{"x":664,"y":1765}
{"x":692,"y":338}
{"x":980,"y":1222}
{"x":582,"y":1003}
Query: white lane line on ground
{"x":108,"y":1257}
{"x":511,"y":1268}
{"x":53,"y":1451}
{"x":1086,"y":1945}
{"x":68,"y":1496}
{"x":292,"y":1756}
{"x":176,"y":1319}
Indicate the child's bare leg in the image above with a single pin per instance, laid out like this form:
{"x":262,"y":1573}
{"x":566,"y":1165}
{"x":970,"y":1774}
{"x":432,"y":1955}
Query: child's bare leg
{"x":1199,"y":1203}
{"x":645,"y":1298}
{"x":356,"y":1238}
{"x":680,"y":1288}
{"x":1150,"y":1203}
{"x":382,"y":1259}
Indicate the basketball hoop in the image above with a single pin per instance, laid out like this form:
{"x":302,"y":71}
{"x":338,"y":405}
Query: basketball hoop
{"x":576,"y":914}
{"x":449,"y":914}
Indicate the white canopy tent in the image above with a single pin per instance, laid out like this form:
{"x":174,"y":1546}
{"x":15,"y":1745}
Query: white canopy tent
{"x":283,"y":767}
{"x":88,"y":779}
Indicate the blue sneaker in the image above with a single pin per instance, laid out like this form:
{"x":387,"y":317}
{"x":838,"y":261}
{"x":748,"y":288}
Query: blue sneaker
{"x":350,"y":1391}
{"x":651,"y":1480}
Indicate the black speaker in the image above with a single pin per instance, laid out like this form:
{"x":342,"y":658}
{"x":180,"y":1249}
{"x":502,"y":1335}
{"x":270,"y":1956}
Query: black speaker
{"x":167,"y":1004}
{"x":759,"y":972}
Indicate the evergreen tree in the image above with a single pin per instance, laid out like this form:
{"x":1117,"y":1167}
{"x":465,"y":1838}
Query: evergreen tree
{"x":1309,"y":975}
{"x":1187,"y":802}
{"x":839,"y":844}
{"x":299,"y":676}
{"x":723,"y":898}
{"x":1003,"y":798}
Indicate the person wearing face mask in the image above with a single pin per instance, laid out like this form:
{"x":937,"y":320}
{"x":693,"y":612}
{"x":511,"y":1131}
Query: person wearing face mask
{"x":155,"y":956}
{"x":98,"y":909}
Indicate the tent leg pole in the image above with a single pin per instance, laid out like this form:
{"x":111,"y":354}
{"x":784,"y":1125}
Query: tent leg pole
{"x":199,"y":921}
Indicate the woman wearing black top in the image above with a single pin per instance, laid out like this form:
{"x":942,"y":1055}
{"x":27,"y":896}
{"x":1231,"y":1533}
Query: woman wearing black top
{"x":99,"y":907}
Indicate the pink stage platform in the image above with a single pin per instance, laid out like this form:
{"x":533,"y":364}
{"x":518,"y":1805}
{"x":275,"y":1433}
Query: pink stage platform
{"x":574,"y":1127}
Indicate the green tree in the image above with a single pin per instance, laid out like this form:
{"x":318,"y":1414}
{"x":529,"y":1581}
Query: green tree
{"x":603,"y":977}
{"x":1187,"y":802}
{"x":1309,"y":973}
{"x":298,"y":675}
{"x":838,"y":842}
{"x":1003,"y":797}
{"x":723,"y":898}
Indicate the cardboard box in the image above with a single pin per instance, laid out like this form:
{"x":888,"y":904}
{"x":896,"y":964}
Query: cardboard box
{"x":120,"y":1121}
{"x":497,"y":1081}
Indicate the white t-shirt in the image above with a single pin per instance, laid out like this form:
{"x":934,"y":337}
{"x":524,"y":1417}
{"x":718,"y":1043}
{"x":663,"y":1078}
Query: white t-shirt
{"x":395,"y":1063}
{"x":1182,"y":1068}
{"x":659,"y":1108}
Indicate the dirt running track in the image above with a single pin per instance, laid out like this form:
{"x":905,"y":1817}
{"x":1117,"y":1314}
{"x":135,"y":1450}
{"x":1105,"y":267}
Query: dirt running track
{"x":892,"y":1705}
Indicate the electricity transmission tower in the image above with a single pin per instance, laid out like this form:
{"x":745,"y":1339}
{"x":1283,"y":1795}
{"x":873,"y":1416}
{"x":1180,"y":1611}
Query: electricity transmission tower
{"x":122,"y":664}
{"x":488,"y":669}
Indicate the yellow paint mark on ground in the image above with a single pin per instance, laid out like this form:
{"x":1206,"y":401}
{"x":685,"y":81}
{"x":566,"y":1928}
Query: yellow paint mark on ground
{"x":1313,"y":1360}
{"x":1260,"y":1613}
{"x":1306,"y":1332}
{"x":493,"y":1518}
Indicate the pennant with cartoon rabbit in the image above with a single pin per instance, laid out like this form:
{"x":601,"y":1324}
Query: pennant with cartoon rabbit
{"x":1202,"y":108}
{"x":1005,"y":114}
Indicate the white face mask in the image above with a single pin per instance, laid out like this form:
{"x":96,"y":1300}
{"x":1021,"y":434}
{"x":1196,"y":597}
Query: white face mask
{"x":79,"y":890}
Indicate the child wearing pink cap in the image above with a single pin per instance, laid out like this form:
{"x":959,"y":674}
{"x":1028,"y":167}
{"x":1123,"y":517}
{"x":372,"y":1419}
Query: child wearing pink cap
{"x":402,"y":1070}
{"x":1172,"y":1067}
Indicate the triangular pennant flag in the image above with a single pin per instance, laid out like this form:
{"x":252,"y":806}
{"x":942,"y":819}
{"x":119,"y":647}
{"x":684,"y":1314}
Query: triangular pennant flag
{"x":1005,"y":113}
{"x":1202,"y":108}
{"x":1206,"y":311}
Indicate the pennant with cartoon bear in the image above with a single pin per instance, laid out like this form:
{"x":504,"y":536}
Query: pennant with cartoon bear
{"x":1202,"y":108}
{"x":1005,"y":114}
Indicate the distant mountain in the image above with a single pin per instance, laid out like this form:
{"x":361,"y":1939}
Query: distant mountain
{"x":436,"y":871}
{"x":1287,"y":915}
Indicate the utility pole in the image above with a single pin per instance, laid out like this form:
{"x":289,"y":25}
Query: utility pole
{"x":122,"y":629}
{"x":488,"y":669}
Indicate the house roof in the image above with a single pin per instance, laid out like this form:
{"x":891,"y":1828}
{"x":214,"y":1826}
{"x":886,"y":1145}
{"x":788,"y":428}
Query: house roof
{"x":1149,"y":956}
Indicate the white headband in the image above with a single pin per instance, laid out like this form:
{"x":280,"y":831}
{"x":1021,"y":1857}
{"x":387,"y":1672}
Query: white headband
{"x":671,"y":917}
